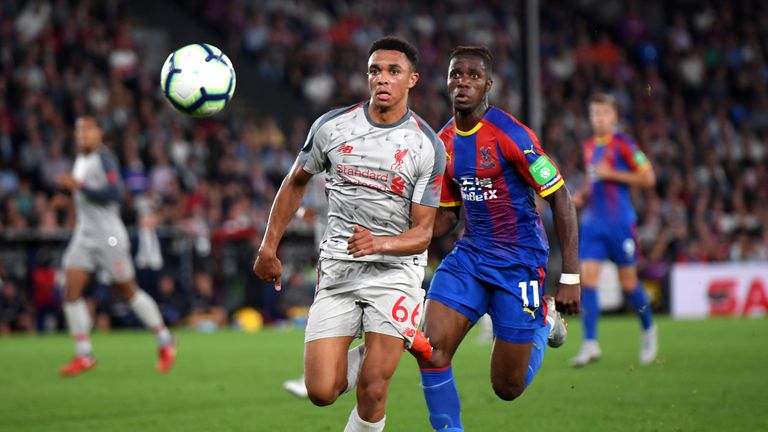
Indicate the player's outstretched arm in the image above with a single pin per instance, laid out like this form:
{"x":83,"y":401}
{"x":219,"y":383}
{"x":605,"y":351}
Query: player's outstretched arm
{"x":267,"y":266}
{"x":643,"y":176}
{"x":582,"y":193}
{"x":414,"y":241}
{"x":566,"y":225}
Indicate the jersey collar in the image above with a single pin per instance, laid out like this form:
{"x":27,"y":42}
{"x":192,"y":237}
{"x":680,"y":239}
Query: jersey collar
{"x":385,"y":126}
{"x":469,"y":132}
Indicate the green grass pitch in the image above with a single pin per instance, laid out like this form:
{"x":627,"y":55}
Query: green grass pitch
{"x":710,"y":376}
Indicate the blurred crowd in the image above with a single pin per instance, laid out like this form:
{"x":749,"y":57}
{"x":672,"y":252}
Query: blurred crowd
{"x":690,"y":77}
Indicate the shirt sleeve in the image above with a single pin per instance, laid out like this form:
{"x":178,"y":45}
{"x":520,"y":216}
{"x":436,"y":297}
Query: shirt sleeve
{"x":112,"y":190}
{"x":313,"y":157}
{"x":450,"y":196}
{"x":632,"y":155}
{"x":521,"y":148}
{"x":428,"y":188}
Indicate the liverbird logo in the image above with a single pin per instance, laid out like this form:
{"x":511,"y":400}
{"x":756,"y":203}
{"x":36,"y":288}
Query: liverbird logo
{"x":399,"y":156}
{"x":485,"y":156}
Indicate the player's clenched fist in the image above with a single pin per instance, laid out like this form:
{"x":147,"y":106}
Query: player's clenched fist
{"x":268,"y":268}
{"x":568,"y":298}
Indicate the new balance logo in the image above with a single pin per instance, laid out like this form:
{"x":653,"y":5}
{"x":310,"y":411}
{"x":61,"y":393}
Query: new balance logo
{"x":345,"y":148}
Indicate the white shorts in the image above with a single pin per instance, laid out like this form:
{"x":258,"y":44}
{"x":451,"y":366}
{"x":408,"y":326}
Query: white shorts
{"x":355,"y":297}
{"x":111,"y":255}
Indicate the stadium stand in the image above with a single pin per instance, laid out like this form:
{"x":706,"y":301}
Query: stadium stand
{"x":691,"y":81}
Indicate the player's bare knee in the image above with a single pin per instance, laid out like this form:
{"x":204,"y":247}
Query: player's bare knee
{"x":373,"y":392}
{"x":440,"y":359}
{"x":71,"y":295}
{"x":324,"y":392}
{"x":322,"y":396}
{"x":508,"y":390}
{"x":126,"y":290}
{"x":72,"y":291}
{"x":628,"y":283}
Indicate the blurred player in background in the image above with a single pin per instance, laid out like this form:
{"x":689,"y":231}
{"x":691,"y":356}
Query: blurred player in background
{"x":100,"y":244}
{"x":614,"y":164}
{"x":494,"y":166}
{"x":383,"y":166}
{"x":314,"y":210}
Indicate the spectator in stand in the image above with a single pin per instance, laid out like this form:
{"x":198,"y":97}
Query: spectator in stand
{"x":206,"y":312}
{"x":14,"y":312}
{"x":173,"y":304}
{"x":689,"y":78}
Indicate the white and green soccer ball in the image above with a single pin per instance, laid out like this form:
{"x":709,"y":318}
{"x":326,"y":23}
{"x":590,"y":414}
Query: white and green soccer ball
{"x":198,"y":80}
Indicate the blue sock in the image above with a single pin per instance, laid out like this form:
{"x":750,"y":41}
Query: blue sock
{"x":590,"y":312}
{"x":540,"y":338}
{"x":442,"y":399}
{"x":639,"y":302}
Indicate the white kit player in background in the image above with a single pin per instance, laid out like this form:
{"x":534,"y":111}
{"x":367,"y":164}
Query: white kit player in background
{"x":383,"y":168}
{"x":100,"y":243}
{"x":314,"y":209}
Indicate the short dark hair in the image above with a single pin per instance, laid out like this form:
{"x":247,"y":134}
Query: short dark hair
{"x":394,"y":43}
{"x":605,"y":98}
{"x":89,"y":116}
{"x":474,"y":50}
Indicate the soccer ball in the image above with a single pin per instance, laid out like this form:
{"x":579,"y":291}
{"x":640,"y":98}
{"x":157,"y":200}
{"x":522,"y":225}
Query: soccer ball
{"x":198,"y":80}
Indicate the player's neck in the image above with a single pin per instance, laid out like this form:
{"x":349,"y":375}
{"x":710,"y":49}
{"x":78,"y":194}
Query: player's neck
{"x":387,"y":115}
{"x":467,"y":120}
{"x":87,"y":151}
{"x":604,"y":136}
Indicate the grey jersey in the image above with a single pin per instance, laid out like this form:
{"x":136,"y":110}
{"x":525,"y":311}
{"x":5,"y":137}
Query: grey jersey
{"x":97,"y":202}
{"x":316,"y":199}
{"x":373,"y":174}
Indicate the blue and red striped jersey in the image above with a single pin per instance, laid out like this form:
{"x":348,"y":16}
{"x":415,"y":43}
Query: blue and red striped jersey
{"x":610,"y":201}
{"x":494,"y":170}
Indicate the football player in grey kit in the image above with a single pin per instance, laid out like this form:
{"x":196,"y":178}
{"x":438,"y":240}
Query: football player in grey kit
{"x":100,"y":243}
{"x":384,"y":167}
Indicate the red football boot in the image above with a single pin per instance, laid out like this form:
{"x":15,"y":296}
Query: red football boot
{"x":78,"y":365}
{"x":420,"y":347}
{"x":167,"y":356}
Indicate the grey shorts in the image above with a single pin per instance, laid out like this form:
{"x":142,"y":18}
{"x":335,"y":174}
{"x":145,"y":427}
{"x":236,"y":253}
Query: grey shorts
{"x":111,"y":256}
{"x":353,"y":298}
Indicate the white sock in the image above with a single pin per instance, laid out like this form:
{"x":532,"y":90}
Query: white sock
{"x":356,"y":424}
{"x":79,"y":323}
{"x":354,"y":362}
{"x":149,"y":314}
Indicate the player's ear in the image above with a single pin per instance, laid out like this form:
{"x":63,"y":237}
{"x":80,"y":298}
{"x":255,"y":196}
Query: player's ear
{"x":488,"y":85}
{"x":413,"y":79}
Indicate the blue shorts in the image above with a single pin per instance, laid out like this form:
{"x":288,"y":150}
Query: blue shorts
{"x":474,"y":285}
{"x":615,"y":242}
